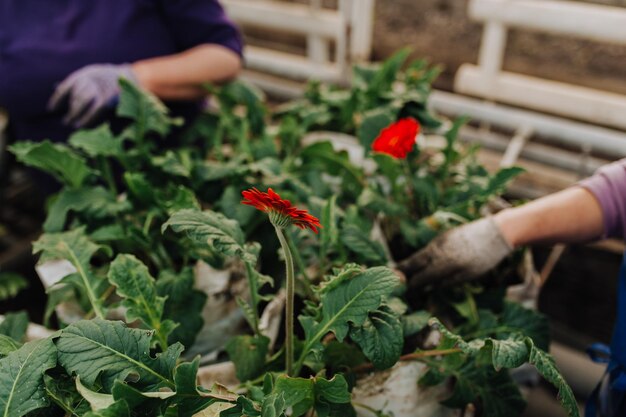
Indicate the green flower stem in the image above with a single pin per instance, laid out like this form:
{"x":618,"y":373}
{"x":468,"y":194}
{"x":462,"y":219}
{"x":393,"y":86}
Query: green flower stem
{"x":254,"y":297}
{"x":289,"y":301}
{"x":302,"y":267}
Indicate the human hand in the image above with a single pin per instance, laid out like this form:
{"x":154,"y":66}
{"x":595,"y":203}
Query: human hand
{"x":460,"y":254}
{"x":88,"y":91}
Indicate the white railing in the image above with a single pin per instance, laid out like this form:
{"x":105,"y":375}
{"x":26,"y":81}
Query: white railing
{"x":488,"y":80}
{"x":346,"y":31}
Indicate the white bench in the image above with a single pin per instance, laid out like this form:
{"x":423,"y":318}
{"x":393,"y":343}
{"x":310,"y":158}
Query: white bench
{"x":583,"y":120}
{"x":346,"y":31}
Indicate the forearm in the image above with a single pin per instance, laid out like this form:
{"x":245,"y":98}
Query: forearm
{"x":181,"y":76}
{"x":572,"y":215}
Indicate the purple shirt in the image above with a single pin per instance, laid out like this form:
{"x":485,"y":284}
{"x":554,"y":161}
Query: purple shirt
{"x":43,"y":41}
{"x":608,"y":185}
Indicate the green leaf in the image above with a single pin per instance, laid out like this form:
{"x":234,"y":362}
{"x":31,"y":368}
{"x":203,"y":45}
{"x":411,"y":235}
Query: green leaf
{"x":11,"y":284}
{"x":117,"y":409}
{"x":14,"y":325}
{"x":348,"y":303}
{"x":214,"y":229}
{"x":511,"y":353}
{"x":499,"y":182}
{"x":189,"y":397}
{"x":299,"y":393}
{"x":274,"y":405}
{"x":380,"y":337}
{"x":249,"y":354}
{"x":516,"y":318}
{"x":97,"y":142}
{"x":327,"y":397}
{"x":136,"y":286}
{"x":415,"y":322}
{"x":359,"y":242}
{"x":173,"y":164}
{"x":62,"y":391}
{"x":97,"y":400}
{"x":8,"y":345}
{"x":339,"y":356}
{"x":547,"y":368}
{"x":332,"y":397}
{"x":495,"y":391}
{"x":373,"y":122}
{"x":21,"y":378}
{"x":108,"y":351}
{"x":93,"y":201}
{"x":147,"y":111}
{"x":388,"y":71}
{"x":183,"y":304}
{"x":78,"y":250}
{"x":56,"y":159}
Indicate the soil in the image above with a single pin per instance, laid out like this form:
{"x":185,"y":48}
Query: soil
{"x":441,"y":31}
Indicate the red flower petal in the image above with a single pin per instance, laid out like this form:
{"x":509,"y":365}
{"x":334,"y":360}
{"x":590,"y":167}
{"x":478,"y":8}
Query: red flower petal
{"x":271,"y":202}
{"x":397,"y":139}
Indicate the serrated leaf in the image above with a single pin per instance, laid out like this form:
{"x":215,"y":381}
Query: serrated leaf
{"x":8,"y":345}
{"x":211,"y":228}
{"x":11,"y":284}
{"x":56,"y":159}
{"x":97,"y":142}
{"x":136,"y":286}
{"x":108,"y":351}
{"x":183,"y":304}
{"x":21,"y":378}
{"x":14,"y":325}
{"x":359,"y":242}
{"x":380,"y":337}
{"x":349,"y":304}
{"x":78,"y":250}
{"x":147,"y":111}
{"x":249,"y":355}
{"x":513,"y":352}
{"x":495,"y":391}
{"x":547,"y":368}
{"x":94,"y":201}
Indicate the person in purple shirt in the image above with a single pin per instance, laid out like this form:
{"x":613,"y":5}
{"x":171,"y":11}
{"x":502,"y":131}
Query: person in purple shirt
{"x":60,"y":60}
{"x":593,"y":209}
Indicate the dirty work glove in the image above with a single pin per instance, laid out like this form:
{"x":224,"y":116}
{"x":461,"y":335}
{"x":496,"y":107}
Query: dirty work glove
{"x":460,"y":254}
{"x":88,"y":91}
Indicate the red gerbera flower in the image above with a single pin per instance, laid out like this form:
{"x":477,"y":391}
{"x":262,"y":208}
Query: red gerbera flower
{"x":397,"y":139}
{"x":281,"y":212}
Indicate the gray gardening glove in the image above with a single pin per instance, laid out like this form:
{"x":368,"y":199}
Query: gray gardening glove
{"x":460,"y":254}
{"x":88,"y":91}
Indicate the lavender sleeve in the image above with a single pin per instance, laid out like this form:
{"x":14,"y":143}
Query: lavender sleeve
{"x":608,"y":185}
